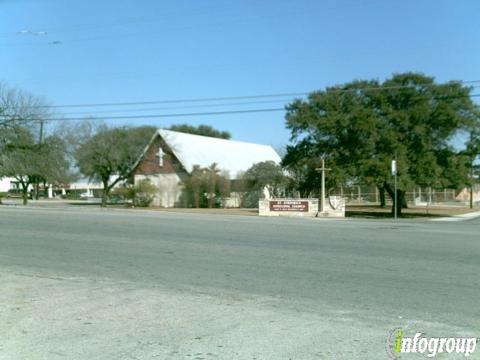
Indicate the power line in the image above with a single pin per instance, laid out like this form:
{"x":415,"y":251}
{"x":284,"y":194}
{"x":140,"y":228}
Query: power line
{"x":95,"y":112}
{"x":174,"y":107}
{"x":212,"y":113}
{"x":245,"y":97}
{"x":170,"y":115}
{"x":169,"y":101}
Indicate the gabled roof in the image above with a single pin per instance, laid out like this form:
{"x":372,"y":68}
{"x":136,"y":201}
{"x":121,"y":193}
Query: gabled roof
{"x":232,"y":156}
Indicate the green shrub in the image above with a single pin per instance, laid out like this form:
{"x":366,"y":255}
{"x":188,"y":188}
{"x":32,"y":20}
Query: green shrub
{"x":144,"y":193}
{"x":141,"y":195}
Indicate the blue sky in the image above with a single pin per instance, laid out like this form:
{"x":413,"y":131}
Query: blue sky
{"x":128,"y":51}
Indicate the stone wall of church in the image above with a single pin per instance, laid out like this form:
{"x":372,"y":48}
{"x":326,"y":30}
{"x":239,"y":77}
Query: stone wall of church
{"x":169,"y":188}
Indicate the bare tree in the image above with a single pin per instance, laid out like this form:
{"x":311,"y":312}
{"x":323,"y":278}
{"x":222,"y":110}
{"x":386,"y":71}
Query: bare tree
{"x":110,"y":154}
{"x":19,"y":108}
{"x":30,"y":162}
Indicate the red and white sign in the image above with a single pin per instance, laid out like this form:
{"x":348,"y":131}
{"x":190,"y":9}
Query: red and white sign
{"x":288,"y":205}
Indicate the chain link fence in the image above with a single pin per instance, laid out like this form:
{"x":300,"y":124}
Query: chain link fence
{"x":419,"y":196}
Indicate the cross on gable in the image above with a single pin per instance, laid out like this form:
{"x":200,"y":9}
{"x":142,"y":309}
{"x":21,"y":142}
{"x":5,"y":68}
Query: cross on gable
{"x":160,"y":156}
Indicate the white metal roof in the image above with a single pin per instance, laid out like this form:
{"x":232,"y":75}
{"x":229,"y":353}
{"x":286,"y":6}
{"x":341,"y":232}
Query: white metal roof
{"x":232,"y":156}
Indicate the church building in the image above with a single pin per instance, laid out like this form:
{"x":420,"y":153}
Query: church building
{"x":170,"y":157}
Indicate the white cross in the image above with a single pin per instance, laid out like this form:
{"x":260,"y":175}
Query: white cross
{"x":160,"y":155}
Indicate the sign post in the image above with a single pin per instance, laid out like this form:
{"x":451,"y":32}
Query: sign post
{"x":394,"y":173}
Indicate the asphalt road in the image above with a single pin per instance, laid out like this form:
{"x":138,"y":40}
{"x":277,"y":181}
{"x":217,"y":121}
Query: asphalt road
{"x":117,"y":284}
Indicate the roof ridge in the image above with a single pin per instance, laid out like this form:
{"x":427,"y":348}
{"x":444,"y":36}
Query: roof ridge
{"x":212,"y":137}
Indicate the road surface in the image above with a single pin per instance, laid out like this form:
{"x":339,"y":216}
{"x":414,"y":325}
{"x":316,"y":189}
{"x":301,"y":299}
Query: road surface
{"x":86,"y":283}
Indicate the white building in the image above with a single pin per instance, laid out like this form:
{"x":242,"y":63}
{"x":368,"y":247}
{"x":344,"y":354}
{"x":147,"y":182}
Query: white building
{"x":7,"y":183}
{"x":170,"y":157}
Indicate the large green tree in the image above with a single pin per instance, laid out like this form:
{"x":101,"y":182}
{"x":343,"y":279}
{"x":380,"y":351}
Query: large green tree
{"x":266,"y":174}
{"x":110,"y":154}
{"x":359,"y":127}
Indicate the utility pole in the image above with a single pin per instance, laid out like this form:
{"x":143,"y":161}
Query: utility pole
{"x":40,"y":141}
{"x":471,"y":184}
{"x":322,"y":200}
{"x":41,"y":133}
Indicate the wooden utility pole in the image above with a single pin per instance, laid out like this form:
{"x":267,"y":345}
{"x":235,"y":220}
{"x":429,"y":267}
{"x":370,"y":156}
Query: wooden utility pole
{"x":322,"y":199}
{"x":41,"y":132}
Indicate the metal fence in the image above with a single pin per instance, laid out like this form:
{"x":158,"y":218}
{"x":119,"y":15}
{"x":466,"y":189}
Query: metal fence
{"x":370,"y":195}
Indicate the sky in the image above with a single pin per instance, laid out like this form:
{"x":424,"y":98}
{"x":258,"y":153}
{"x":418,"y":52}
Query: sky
{"x":113,"y":51}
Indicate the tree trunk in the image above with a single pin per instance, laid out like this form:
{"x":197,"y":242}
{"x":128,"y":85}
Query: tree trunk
{"x":471,"y":184}
{"x":25,"y":194}
{"x":401,"y":199}
{"x":196,"y":199}
{"x":105,"y":192}
{"x":381,"y":191}
{"x":471,"y":196}
{"x":211,"y":199}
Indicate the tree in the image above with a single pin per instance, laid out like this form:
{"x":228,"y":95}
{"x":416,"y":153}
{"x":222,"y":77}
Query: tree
{"x":266,"y":174}
{"x":223,"y":184}
{"x":29,"y":162}
{"x":204,"y":130}
{"x":472,"y":153}
{"x":206,"y":185}
{"x":361,"y":126}
{"x":19,"y":108}
{"x":141,"y":194}
{"x":110,"y":154}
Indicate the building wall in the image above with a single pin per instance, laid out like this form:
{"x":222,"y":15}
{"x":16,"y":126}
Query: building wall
{"x":5,"y":184}
{"x":464,"y":194}
{"x":169,"y":188}
{"x":149,"y":165}
{"x":167,"y":178}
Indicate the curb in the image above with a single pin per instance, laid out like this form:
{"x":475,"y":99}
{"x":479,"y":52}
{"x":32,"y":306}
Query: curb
{"x":463,"y":217}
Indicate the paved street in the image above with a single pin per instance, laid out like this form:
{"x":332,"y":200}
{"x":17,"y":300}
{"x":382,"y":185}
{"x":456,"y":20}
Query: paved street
{"x":82,"y":283}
